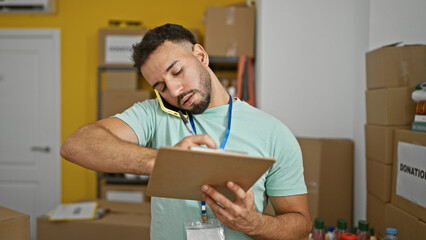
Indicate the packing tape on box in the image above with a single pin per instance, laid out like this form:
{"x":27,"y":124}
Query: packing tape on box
{"x":232,"y":49}
{"x":312,"y":186}
{"x":230,"y":16}
{"x":405,"y":74}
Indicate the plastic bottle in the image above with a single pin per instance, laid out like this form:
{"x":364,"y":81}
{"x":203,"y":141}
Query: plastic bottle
{"x":330,"y":234}
{"x":348,"y":236}
{"x":363,"y":233}
{"x":341,"y":228}
{"x":318,"y":231}
{"x":372,"y":234}
{"x":391,"y":234}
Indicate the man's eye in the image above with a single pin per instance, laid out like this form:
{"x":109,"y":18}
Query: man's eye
{"x":161,"y":87}
{"x":178,"y":73}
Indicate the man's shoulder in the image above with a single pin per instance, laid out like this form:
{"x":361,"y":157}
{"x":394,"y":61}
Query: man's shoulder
{"x":148,"y":105}
{"x":149,"y":102}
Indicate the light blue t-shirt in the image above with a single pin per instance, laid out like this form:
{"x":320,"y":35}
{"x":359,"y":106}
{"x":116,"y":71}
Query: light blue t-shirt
{"x":252,"y":131}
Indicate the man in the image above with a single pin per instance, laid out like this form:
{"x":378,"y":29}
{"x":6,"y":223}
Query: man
{"x":177,"y":67}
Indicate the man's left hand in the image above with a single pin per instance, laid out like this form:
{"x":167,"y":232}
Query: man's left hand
{"x":240,"y":214}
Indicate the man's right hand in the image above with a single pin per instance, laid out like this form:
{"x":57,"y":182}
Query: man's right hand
{"x":197,"y":141}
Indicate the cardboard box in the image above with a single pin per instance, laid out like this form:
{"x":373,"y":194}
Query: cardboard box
{"x":124,"y":192}
{"x":116,"y":101}
{"x":396,"y":66}
{"x":124,"y":221}
{"x":121,"y":80}
{"x":375,"y":214}
{"x":14,"y":225}
{"x":196,"y":34}
{"x":421,"y":228}
{"x":414,"y":139}
{"x":115,"y":46}
{"x":379,"y":142}
{"x":390,"y":106}
{"x":406,"y":224}
{"x":230,"y":31}
{"x":328,"y":170}
{"x":379,"y":180}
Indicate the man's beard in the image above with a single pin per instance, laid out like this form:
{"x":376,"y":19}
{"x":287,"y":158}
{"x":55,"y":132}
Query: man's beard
{"x":205,"y":92}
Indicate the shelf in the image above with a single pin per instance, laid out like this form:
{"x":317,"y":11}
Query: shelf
{"x":123,"y":180}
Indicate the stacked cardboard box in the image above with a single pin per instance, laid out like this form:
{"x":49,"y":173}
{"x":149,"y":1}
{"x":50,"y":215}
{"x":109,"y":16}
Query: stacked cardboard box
{"x":392,"y":73}
{"x":407,"y":211}
{"x":14,"y":225}
{"x":230,"y":31}
{"x":124,"y":192}
{"x":328,"y":170}
{"x":123,"y":221}
{"x":116,"y":101}
{"x":116,"y":45}
{"x":119,"y":83}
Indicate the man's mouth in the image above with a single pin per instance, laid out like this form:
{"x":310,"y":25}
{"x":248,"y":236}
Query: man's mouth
{"x":188,"y":100}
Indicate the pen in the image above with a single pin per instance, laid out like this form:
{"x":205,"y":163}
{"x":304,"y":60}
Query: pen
{"x":203,"y":203}
{"x":185,"y":121}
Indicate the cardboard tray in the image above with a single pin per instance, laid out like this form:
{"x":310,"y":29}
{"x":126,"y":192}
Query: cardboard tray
{"x":180,"y":173}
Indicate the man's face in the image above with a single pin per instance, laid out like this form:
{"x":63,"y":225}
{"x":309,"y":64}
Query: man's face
{"x":180,"y":78}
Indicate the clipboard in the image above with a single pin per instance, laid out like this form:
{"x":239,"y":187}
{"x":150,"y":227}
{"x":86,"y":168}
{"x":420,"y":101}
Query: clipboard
{"x":179,"y":173}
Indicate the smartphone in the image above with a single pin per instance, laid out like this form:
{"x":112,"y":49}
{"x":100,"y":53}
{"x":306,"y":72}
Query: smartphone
{"x":167,"y":107}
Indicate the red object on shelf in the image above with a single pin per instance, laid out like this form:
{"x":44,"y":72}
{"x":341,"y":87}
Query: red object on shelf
{"x":245,"y":81}
{"x":348,"y":236}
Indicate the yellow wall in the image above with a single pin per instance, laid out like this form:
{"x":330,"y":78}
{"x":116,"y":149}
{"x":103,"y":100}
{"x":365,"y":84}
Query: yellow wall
{"x":79,"y":21}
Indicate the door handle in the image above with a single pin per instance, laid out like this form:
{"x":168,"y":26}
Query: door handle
{"x":40,"y":149}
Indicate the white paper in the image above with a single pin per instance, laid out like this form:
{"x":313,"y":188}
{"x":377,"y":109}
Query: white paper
{"x":118,"y":48}
{"x":411,"y":173}
{"x":217,"y":150}
{"x":74,"y":211}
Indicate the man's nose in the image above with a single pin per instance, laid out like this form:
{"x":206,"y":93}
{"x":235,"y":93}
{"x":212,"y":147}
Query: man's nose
{"x":175,"y":87}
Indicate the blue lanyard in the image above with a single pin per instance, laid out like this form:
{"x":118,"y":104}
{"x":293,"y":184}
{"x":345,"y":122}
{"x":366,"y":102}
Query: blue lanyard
{"x":222,"y":146}
{"x":228,"y":130}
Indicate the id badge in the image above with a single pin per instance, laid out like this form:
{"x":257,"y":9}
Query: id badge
{"x":212,"y":230}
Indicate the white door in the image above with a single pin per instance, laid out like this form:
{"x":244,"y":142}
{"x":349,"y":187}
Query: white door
{"x":30,"y":121}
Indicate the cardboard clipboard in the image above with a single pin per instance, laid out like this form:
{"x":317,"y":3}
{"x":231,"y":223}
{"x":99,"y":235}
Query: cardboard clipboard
{"x":180,"y":173}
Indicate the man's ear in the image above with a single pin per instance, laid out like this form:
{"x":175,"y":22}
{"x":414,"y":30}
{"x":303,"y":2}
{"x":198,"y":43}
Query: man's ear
{"x":200,"y":54}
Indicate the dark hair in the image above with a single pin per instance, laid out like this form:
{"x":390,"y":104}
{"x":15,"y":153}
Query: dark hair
{"x":155,"y":37}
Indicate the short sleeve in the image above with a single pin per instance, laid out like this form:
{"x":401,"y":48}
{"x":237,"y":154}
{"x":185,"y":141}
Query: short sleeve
{"x":141,"y":118}
{"x":286,"y":177}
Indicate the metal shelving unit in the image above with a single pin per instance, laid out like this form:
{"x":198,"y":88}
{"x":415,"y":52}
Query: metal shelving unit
{"x":112,"y":178}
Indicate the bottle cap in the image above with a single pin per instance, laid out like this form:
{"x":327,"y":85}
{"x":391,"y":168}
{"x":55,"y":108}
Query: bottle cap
{"x":319,"y":223}
{"x":341,"y":224}
{"x":391,"y":231}
{"x":363,"y":225}
{"x":330,"y":228}
{"x":348,"y":236}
